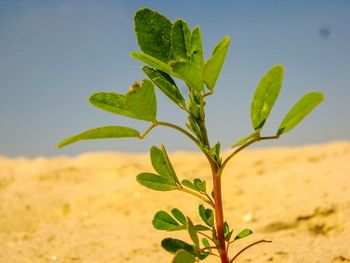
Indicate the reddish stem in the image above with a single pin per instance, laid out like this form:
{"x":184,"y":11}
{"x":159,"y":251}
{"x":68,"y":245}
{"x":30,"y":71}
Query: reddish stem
{"x":219,"y":215}
{"x":245,"y":248}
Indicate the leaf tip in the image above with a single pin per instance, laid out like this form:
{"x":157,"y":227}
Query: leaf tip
{"x":60,"y":145}
{"x":227,"y":38}
{"x":64,"y":143}
{"x":278,"y":69}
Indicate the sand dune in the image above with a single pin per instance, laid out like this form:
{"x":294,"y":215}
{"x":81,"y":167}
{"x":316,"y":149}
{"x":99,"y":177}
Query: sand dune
{"x":90,"y":208}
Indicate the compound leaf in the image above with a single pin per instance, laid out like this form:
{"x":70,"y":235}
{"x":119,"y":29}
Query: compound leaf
{"x":138,"y":103}
{"x":212,"y":67}
{"x":155,"y":182}
{"x":179,"y":215}
{"x":299,"y":111}
{"x":172,"y":245}
{"x":265,"y":96}
{"x":207,"y":215}
{"x":189,"y":73}
{"x":197,"y":185}
{"x":101,"y":133}
{"x":163,"y":221}
{"x":166,"y":84}
{"x":200,"y":185}
{"x":153,"y":32}
{"x":182,"y":256}
{"x":181,"y":40}
{"x":141,"y":100}
{"x":187,"y":183}
{"x":162,"y":164}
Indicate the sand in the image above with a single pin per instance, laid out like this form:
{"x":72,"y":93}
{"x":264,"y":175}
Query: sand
{"x":89,"y":208}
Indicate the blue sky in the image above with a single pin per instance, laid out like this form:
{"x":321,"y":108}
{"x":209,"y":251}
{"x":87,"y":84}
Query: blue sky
{"x":54,"y":54}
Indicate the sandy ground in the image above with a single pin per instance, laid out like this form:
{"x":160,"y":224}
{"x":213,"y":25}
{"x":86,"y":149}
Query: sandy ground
{"x":90,"y":208}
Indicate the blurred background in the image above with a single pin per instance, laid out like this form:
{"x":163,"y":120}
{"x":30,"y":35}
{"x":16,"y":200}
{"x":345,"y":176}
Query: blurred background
{"x":54,"y":54}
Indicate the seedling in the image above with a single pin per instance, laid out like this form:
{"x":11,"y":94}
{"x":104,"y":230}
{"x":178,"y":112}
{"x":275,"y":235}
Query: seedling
{"x":171,"y":50}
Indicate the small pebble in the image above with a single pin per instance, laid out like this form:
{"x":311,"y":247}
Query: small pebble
{"x":248,"y":217}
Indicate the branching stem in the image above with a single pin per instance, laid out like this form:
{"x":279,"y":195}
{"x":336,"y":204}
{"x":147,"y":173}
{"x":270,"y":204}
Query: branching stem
{"x":201,"y":196}
{"x":183,"y":131}
{"x":205,"y":235}
{"x":217,"y":169}
{"x":178,"y":128}
{"x":249,"y":246}
{"x":148,"y":131}
{"x":211,"y":200}
{"x":254,"y":140}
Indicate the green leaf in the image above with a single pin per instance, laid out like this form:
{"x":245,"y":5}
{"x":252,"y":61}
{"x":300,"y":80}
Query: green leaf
{"x":247,"y":138}
{"x":189,"y":73}
{"x":299,"y":111}
{"x":188,"y":184}
{"x":179,"y":215}
{"x":155,"y":182}
{"x":142,"y":101}
{"x":153,"y":62}
{"x":197,"y":48}
{"x":226,"y":228}
{"x":206,"y":243}
{"x":200,"y":227}
{"x":227,"y":232}
{"x":162,"y":164}
{"x":212,"y":67}
{"x":200,"y":185}
{"x":207,"y":215}
{"x":244,"y":233}
{"x":228,"y":236}
{"x":138,"y":103}
{"x":192,"y":231}
{"x":166,"y":84}
{"x":153,"y":32}
{"x":182,"y":256}
{"x":265,"y":96}
{"x":163,"y":221}
{"x":204,"y":255}
{"x":172,"y":245}
{"x":197,"y":185}
{"x":181,"y":40}
{"x":101,"y":133}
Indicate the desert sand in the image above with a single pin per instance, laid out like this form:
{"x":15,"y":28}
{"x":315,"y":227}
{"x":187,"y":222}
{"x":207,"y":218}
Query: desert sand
{"x":90,"y":208}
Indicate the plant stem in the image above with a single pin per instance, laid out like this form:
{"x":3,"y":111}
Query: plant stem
{"x":244,"y":249}
{"x":210,"y":200}
{"x":183,"y":131}
{"x":150,"y":128}
{"x":203,"y":197}
{"x":219,"y":214}
{"x":216,"y":174}
{"x":202,"y":124}
{"x":256,"y":139}
{"x":205,"y":235}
